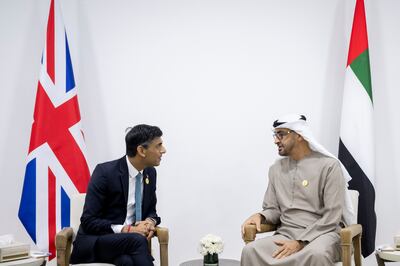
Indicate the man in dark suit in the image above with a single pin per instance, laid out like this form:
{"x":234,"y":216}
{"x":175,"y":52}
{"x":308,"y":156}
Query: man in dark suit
{"x":120,"y":206}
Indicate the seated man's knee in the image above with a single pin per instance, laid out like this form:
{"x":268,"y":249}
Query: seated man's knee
{"x":141,"y":239}
{"x":248,"y":249}
{"x":321,"y":254}
{"x":248,"y":253}
{"x":123,"y":260}
{"x":138,"y":242}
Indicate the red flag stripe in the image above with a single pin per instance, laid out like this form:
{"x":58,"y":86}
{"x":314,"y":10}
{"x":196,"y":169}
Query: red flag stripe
{"x":359,"y":37}
{"x":50,"y":43}
{"x":51,"y":125}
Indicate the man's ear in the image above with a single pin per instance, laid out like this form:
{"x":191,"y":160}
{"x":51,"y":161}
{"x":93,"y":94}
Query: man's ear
{"x":300,"y":137}
{"x":141,"y":151}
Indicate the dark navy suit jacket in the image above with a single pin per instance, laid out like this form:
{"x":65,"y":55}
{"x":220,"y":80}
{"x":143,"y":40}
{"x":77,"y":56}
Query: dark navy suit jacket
{"x":106,"y":204}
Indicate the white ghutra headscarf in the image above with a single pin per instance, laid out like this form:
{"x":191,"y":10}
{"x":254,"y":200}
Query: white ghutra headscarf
{"x":299,"y":124}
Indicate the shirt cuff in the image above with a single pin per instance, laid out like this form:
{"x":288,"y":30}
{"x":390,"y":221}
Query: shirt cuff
{"x":152,"y":220}
{"x":117,"y":228}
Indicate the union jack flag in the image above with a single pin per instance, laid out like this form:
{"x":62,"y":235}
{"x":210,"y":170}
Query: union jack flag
{"x":56,"y":164}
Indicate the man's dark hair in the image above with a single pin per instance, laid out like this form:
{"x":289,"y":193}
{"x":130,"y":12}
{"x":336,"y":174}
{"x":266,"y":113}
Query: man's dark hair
{"x":140,"y":135}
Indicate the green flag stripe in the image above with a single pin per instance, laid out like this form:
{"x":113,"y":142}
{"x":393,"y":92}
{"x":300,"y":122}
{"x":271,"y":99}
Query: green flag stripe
{"x":361,"y":69}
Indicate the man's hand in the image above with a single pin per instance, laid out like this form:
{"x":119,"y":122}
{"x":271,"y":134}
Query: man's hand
{"x":254,"y":219}
{"x":287,"y":248}
{"x":140,"y":228}
{"x":151,"y":227}
{"x":145,"y":228}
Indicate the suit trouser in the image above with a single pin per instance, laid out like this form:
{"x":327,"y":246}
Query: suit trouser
{"x":123,"y":249}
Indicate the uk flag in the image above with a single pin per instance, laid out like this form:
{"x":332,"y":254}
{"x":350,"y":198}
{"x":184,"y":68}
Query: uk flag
{"x":56,"y":165}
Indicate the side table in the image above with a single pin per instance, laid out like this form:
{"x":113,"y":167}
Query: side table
{"x":387,"y":256}
{"x":25,"y":262}
{"x":221,"y":262}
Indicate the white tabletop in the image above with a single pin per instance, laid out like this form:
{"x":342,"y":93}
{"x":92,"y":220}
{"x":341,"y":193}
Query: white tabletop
{"x":389,"y":255}
{"x":222,"y":262}
{"x":25,"y":262}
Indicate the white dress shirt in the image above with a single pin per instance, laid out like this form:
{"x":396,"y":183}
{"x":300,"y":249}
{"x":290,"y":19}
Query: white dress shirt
{"x":130,"y":213}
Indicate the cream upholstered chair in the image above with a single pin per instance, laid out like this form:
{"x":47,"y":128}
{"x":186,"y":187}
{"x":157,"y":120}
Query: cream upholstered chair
{"x":65,"y":237}
{"x":350,"y":236}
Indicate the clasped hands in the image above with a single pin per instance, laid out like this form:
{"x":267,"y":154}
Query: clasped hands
{"x":145,"y":228}
{"x":285,"y":247}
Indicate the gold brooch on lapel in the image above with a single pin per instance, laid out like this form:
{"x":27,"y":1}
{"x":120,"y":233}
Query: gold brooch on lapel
{"x":304,"y":183}
{"x":147,"y":180}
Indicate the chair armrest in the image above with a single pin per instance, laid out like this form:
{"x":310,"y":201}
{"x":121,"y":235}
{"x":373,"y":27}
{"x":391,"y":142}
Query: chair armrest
{"x":250,"y":231}
{"x":348,"y":233}
{"x":63,"y":246}
{"x":351,"y":236}
{"x":162,"y":234}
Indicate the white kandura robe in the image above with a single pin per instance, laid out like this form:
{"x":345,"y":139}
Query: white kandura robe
{"x":306,"y":197}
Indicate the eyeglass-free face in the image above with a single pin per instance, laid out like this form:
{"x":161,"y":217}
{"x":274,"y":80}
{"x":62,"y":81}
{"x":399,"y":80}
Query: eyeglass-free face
{"x":153,"y":151}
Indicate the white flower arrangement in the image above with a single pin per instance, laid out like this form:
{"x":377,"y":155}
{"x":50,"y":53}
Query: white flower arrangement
{"x":211,"y":244}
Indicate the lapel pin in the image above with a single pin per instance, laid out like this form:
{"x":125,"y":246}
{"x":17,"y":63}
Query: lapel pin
{"x":147,"y":180}
{"x":304,"y":183}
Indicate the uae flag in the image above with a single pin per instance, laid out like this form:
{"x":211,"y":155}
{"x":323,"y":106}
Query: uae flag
{"x":356,"y":145}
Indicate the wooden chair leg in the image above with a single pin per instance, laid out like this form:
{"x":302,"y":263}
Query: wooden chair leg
{"x":149,"y":246}
{"x":357,"y":250}
{"x":163,"y":239}
{"x":346,"y":254}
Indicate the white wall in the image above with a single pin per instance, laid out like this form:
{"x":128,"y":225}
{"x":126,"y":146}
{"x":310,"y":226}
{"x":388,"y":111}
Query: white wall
{"x":213,"y":74}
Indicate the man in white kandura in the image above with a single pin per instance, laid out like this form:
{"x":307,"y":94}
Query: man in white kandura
{"x":307,"y":196}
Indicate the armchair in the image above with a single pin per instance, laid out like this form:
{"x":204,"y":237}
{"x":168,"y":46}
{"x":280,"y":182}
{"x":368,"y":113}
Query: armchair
{"x":350,"y":236}
{"x":65,"y":237}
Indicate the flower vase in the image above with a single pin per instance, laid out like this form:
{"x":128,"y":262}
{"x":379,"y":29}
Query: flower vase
{"x":210,"y":259}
